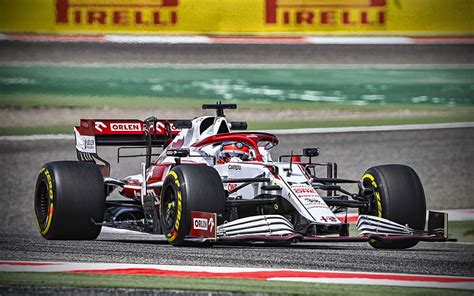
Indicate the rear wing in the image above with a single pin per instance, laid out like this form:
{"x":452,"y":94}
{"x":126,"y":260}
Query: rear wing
{"x":129,"y":132}
{"x":149,"y":133}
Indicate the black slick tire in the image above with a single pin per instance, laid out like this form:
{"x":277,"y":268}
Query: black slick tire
{"x":69,"y":195}
{"x":399,"y":197}
{"x":188,"y":188}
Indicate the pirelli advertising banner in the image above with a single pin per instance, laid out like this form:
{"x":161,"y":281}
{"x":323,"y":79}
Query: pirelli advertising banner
{"x":240,"y":17}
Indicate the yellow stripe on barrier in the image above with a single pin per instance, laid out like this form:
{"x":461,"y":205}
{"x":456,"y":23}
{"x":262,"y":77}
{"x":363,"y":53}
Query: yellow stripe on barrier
{"x":242,"y":17}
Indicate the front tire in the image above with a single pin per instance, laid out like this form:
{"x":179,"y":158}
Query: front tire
{"x":69,"y":195}
{"x":188,"y":188}
{"x":399,"y":197}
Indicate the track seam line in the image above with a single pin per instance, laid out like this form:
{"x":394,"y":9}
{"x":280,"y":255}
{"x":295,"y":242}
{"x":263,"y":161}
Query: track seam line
{"x":382,"y":128}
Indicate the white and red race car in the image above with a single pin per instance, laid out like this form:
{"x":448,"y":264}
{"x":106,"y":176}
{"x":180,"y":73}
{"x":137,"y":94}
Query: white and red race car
{"x":211,"y":184}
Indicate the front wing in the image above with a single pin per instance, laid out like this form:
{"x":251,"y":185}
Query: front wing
{"x":276,"y":229}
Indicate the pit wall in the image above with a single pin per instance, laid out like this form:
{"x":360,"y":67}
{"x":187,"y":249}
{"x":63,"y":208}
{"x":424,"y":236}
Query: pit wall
{"x":239,"y":17}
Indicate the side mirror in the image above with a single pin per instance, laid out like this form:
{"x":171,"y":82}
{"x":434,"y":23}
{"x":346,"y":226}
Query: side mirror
{"x":269,"y":146}
{"x":311,"y":152}
{"x":180,"y":124}
{"x":238,"y":125}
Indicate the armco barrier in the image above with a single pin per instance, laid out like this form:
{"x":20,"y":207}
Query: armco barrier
{"x":239,"y":17}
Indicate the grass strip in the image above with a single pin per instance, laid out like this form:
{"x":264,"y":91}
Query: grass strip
{"x":361,"y":85}
{"x":204,"y":284}
{"x":37,"y":130}
{"x":25,"y":100}
{"x":462,"y":230}
{"x":99,"y":102}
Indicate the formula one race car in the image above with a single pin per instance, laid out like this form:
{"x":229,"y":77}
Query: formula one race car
{"x":211,"y":185}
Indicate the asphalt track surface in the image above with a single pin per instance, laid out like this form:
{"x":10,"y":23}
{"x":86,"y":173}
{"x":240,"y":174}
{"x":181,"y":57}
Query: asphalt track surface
{"x":297,"y":54}
{"x":441,"y":157}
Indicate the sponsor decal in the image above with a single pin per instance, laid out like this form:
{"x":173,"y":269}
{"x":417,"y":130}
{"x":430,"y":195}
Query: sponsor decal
{"x":85,"y":144}
{"x":329,"y":219}
{"x":239,"y":18}
{"x":100,"y":126}
{"x":203,"y":225}
{"x":311,"y":201}
{"x":304,"y":190}
{"x":88,"y":144}
{"x":308,"y":196}
{"x":132,"y":126}
{"x":161,"y":128}
{"x":106,"y":127}
{"x":117,"y":13}
{"x":200,"y":223}
{"x":326,"y":13}
{"x":314,"y":202}
{"x":231,"y":186}
{"x":235,"y":167}
{"x":125,"y":127}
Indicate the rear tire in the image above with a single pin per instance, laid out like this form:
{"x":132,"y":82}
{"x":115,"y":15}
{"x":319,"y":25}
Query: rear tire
{"x":188,"y":188}
{"x":68,"y":196}
{"x":399,"y":197}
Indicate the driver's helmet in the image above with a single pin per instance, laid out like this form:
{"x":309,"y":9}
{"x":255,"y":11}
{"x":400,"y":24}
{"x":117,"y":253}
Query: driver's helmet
{"x":234,"y":151}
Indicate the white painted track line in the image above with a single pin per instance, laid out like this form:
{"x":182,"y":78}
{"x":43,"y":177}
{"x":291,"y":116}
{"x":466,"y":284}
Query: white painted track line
{"x":359,"y":40}
{"x":158,"y":39}
{"x":229,"y":39}
{"x":460,"y":215}
{"x":326,"y":130}
{"x":382,"y":128}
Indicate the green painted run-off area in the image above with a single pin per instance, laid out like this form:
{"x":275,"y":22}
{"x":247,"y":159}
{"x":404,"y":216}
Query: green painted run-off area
{"x":358,"y":86}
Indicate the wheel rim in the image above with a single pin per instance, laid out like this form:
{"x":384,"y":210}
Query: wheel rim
{"x":169,"y":207}
{"x":372,"y":209}
{"x":42,"y":202}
